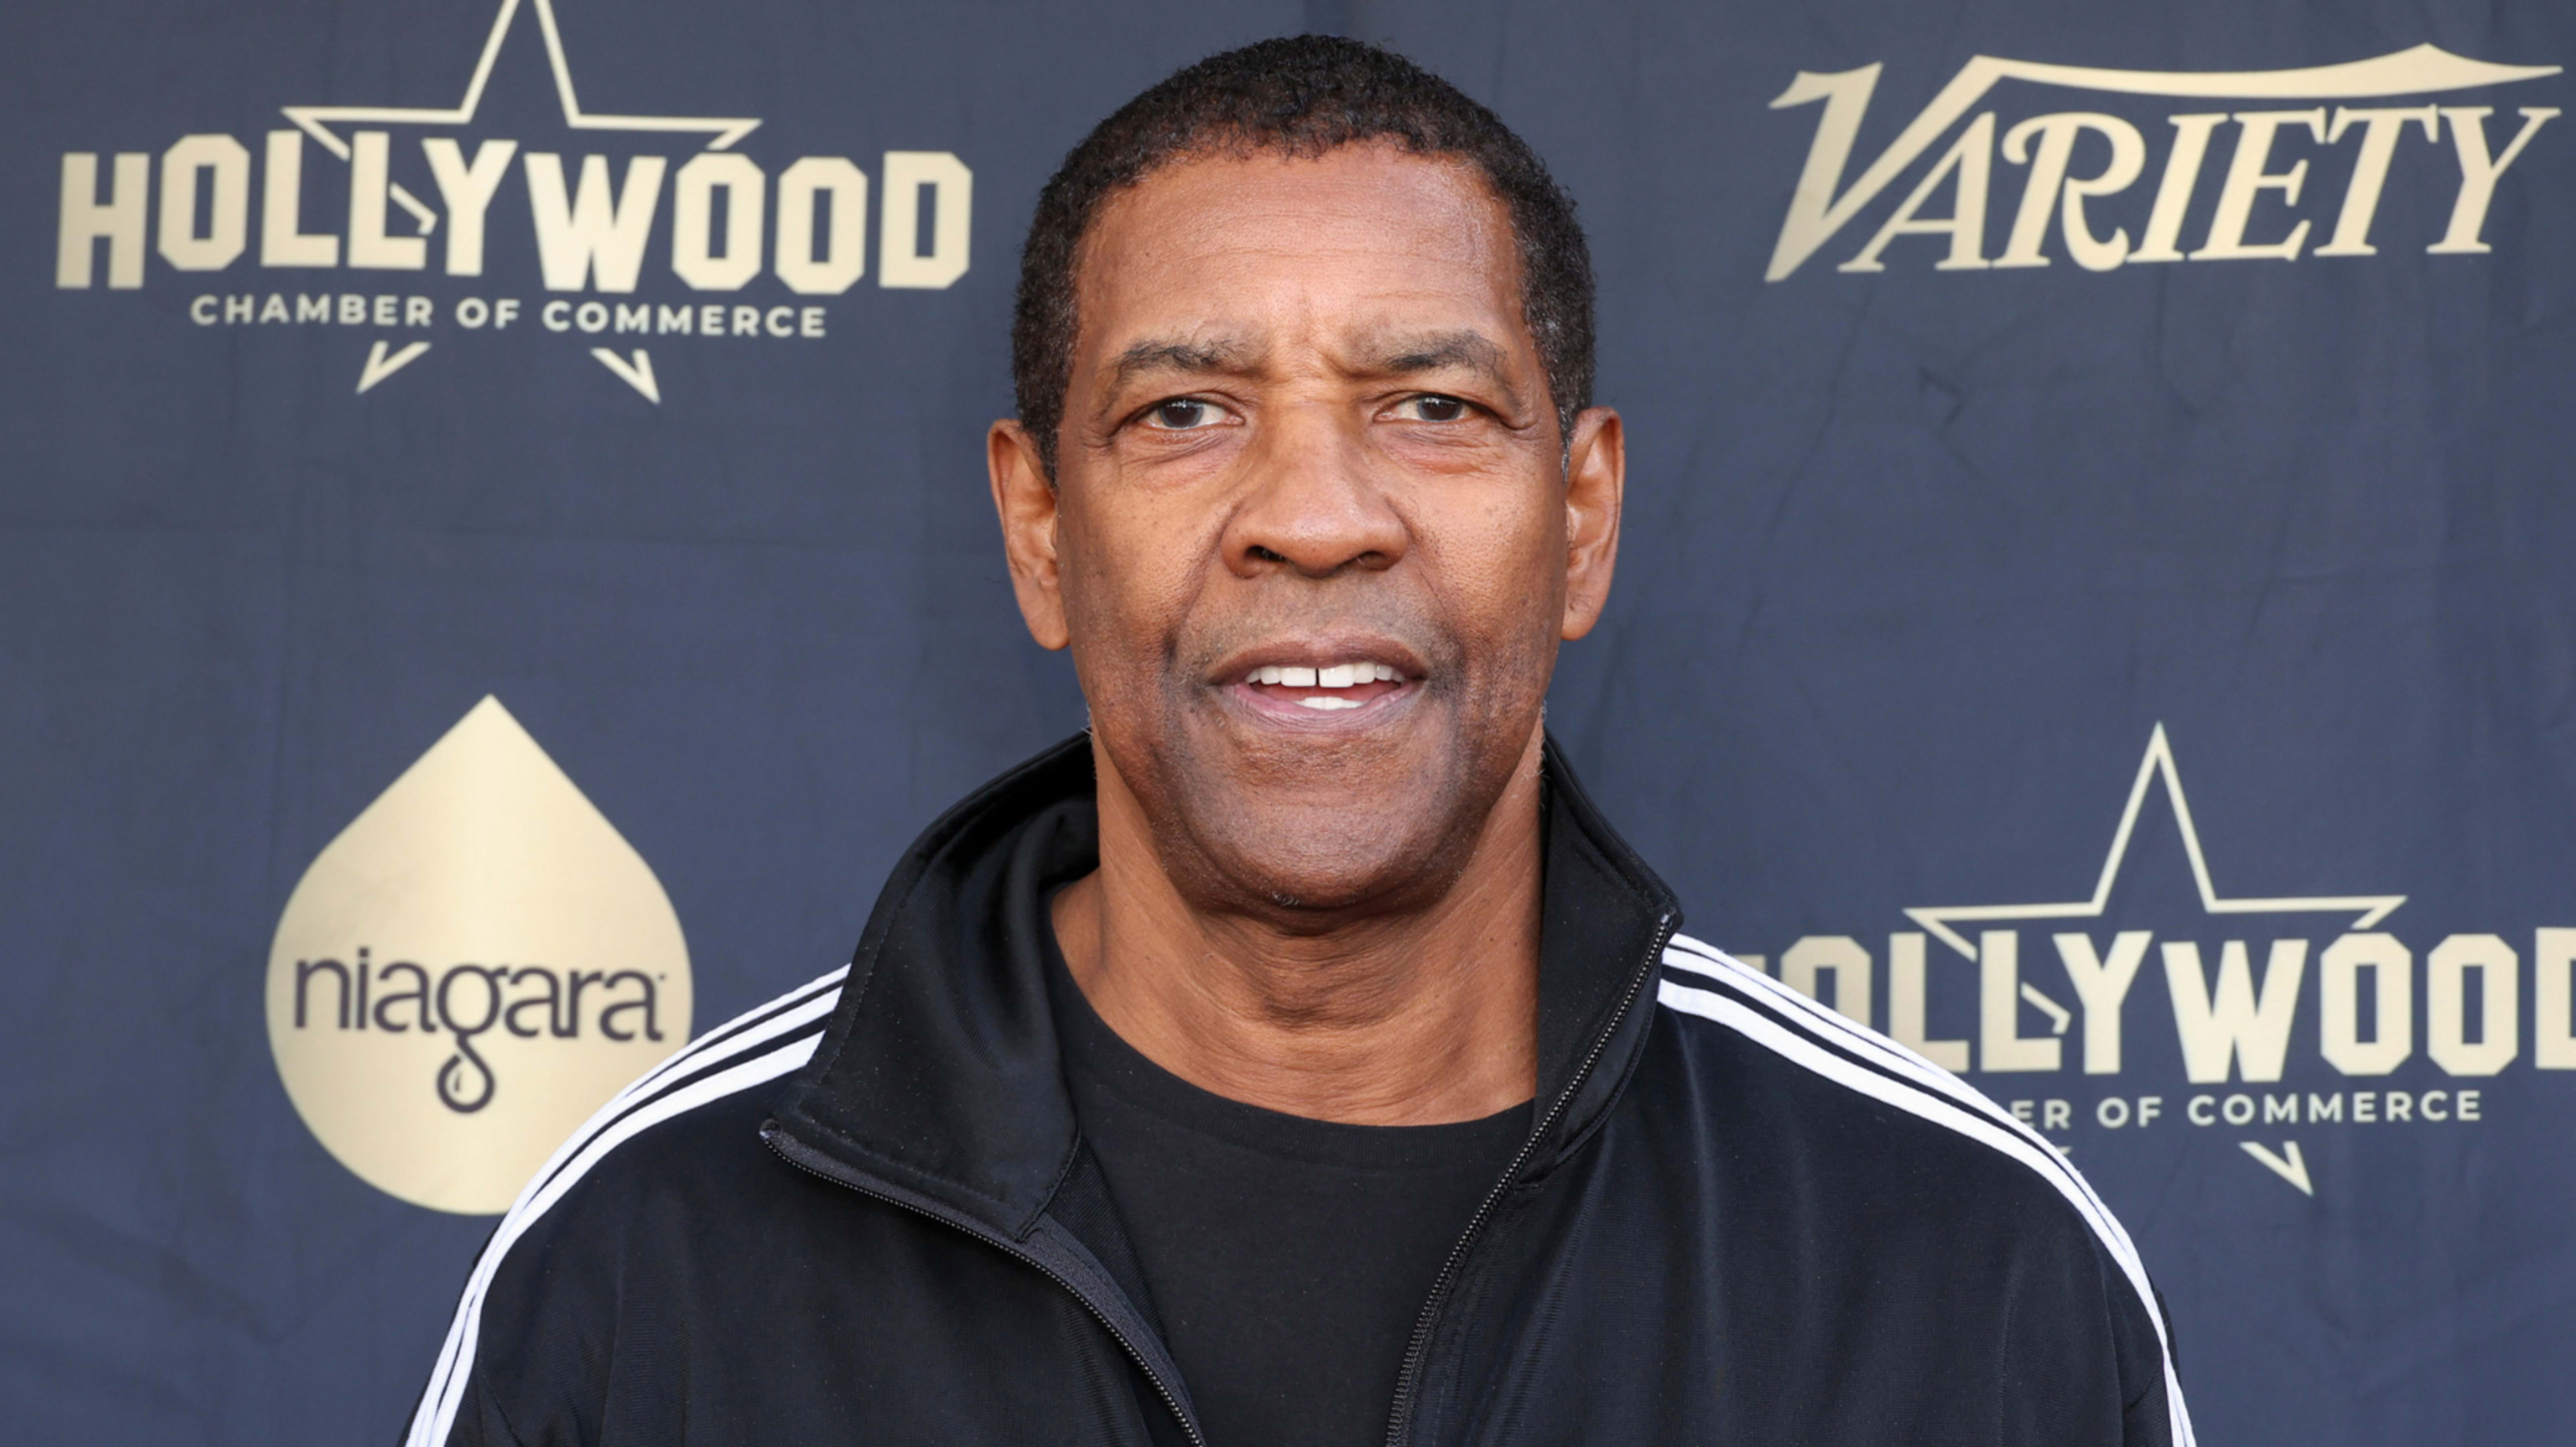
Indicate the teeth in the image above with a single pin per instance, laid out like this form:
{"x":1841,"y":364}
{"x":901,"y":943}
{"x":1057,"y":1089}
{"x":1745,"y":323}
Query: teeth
{"x":1320,"y":701}
{"x":1339,"y":675}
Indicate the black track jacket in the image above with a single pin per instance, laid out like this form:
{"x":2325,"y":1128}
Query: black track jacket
{"x":863,"y":1214}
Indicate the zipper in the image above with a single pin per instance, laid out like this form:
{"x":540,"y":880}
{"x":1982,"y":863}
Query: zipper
{"x":1401,"y":1418}
{"x":831,"y":1171}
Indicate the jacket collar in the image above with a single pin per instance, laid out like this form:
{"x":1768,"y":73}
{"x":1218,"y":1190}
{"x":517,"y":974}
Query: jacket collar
{"x":939,"y":1073}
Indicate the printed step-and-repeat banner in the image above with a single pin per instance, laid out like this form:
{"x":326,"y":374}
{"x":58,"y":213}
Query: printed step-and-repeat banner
{"x":495,"y":564}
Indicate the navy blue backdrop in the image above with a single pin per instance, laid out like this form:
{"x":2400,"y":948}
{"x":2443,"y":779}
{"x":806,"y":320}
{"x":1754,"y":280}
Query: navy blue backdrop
{"x":2096,"y":597}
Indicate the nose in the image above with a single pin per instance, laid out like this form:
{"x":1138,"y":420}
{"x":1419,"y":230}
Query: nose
{"x":1313,"y":504}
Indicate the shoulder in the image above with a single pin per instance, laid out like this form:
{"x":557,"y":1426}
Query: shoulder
{"x":664,"y":1136}
{"x":1780,"y":1074}
{"x":1859,"y":1137}
{"x":1772,"y":1050}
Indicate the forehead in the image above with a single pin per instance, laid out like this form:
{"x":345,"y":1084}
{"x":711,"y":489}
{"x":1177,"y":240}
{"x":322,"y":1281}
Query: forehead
{"x":1363,"y":237}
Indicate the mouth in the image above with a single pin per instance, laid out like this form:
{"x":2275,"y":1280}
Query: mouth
{"x":1314,"y":685}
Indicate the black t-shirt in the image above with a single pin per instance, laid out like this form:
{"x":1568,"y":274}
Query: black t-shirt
{"x":1287,"y":1258}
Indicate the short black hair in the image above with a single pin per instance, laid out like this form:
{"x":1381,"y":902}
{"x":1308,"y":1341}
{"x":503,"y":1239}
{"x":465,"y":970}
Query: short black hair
{"x":1305,"y":95}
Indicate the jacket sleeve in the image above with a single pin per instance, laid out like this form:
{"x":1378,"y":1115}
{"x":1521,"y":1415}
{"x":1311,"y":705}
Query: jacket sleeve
{"x":2090,"y":1356}
{"x":531,"y":1349}
{"x":2152,"y":1413}
{"x":479,"y":1422}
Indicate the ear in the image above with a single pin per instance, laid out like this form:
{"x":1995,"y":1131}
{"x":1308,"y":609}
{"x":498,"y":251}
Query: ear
{"x":1026,"y":500}
{"x":1596,"y":481}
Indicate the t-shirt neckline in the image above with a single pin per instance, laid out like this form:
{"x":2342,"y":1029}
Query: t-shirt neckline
{"x":1100,"y":1057}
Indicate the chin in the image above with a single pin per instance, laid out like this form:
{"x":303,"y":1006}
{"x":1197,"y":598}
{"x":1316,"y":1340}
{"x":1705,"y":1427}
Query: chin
{"x":1375,"y":811}
{"x":1324,"y":863}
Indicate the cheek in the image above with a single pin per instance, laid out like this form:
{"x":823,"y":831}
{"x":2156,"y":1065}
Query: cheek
{"x":1499,"y":551}
{"x":1128,"y":578}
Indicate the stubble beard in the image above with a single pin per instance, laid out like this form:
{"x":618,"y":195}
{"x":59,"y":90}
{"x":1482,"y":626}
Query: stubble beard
{"x":1311,"y":834}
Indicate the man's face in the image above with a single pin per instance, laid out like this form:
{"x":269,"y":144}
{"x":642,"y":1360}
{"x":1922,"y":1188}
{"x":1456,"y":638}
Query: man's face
{"x":1314,"y":535}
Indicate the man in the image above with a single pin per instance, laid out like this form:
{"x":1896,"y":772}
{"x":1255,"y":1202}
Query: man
{"x":1297,"y":1057}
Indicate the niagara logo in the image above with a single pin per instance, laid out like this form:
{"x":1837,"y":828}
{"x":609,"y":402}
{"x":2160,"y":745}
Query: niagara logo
{"x":2081,"y":164}
{"x":2233,"y":1025}
{"x":465,"y":1080}
{"x":592,"y":219}
{"x":469,"y":969}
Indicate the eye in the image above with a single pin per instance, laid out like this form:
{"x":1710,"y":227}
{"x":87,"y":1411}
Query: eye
{"x":1182,"y":414}
{"x":1431,"y":407}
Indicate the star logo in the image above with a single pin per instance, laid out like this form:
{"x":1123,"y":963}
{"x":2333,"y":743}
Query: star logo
{"x":2158,"y":765}
{"x":721,"y":219}
{"x":721,"y":131}
{"x":318,"y":121}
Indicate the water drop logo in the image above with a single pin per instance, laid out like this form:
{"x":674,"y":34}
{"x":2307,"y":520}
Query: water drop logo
{"x":469,"y":970}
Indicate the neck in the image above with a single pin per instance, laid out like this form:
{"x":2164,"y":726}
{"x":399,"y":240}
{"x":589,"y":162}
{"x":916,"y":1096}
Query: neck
{"x":1413,"y":1018}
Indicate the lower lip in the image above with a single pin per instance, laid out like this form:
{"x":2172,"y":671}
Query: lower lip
{"x":1278,"y":701}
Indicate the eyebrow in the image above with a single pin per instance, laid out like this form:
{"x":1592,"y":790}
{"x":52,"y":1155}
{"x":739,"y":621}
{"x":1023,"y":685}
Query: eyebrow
{"x":1427,"y":352}
{"x":1226,"y":356}
{"x":1410,"y":355}
{"x":1399,"y":355}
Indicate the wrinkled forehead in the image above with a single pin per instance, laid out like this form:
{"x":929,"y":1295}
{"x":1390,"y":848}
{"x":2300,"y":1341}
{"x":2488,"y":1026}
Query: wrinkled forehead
{"x":1250,"y":252}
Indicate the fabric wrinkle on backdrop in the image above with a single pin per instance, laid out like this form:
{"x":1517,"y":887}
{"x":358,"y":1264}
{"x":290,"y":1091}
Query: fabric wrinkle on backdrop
{"x":497,"y":564}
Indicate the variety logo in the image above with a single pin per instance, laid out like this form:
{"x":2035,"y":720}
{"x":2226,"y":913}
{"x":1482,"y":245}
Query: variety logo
{"x":2374,"y":1004}
{"x":465,"y":974}
{"x":421,"y":184}
{"x":2084,"y":168}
